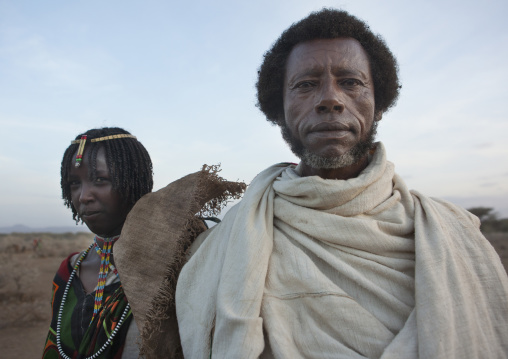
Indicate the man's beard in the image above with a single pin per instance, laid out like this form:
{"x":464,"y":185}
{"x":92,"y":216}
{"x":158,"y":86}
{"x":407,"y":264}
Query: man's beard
{"x":352,"y":156}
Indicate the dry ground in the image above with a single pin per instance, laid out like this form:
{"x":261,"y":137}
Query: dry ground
{"x":26,"y":274}
{"x":25,"y":286}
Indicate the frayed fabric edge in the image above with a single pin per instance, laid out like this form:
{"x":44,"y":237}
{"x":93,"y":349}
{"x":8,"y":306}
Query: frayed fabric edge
{"x":207,"y":203}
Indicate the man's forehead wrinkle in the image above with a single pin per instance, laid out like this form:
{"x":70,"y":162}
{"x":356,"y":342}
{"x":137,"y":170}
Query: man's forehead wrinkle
{"x":343,"y":56}
{"x":349,"y":71}
{"x":313,"y":71}
{"x":337,"y":70}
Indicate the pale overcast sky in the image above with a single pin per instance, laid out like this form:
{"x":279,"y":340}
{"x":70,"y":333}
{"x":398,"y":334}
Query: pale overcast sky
{"x":180,"y":76}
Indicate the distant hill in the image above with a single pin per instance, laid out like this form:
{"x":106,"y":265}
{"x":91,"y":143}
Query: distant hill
{"x":20,"y":228}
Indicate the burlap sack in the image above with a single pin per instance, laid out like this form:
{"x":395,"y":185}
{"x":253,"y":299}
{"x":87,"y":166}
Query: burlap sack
{"x":151,"y":252}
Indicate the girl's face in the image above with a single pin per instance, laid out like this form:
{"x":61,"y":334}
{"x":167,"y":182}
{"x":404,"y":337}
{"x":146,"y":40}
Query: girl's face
{"x":101,"y":207}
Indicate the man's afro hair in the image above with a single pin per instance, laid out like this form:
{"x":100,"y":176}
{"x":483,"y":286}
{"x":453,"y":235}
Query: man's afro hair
{"x":326,"y":24}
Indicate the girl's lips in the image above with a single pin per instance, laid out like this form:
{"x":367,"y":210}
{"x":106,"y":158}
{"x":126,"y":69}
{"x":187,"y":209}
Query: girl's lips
{"x":89,"y":215}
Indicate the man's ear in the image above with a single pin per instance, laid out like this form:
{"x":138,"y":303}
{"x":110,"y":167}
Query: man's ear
{"x":378,"y":116}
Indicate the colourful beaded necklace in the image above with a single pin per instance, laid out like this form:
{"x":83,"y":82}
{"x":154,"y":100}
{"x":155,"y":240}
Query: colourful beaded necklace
{"x":105,"y":255}
{"x":64,"y":297}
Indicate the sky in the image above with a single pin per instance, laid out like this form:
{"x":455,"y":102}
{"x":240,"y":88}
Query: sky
{"x":181,"y":77}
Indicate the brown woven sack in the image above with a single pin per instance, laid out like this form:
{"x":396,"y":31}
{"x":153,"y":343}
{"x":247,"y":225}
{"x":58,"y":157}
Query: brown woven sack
{"x":151,"y":252}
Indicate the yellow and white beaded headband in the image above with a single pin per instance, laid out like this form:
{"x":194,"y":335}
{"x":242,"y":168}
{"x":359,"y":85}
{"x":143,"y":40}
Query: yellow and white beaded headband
{"x":82,"y":142}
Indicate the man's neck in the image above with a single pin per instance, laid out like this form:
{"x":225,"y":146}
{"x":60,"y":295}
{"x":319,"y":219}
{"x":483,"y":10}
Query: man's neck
{"x":344,"y":173}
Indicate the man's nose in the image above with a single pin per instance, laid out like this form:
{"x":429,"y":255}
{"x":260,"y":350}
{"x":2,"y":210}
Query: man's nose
{"x":330,"y":99}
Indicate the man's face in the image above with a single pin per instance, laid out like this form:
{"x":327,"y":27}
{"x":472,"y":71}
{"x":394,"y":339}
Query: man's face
{"x":329,"y":102}
{"x":97,"y":203}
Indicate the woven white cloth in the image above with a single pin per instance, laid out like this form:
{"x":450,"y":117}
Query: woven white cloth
{"x":305,"y":267}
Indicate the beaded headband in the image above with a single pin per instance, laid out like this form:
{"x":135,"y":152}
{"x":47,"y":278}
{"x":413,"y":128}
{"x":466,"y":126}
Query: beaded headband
{"x":83,"y":140}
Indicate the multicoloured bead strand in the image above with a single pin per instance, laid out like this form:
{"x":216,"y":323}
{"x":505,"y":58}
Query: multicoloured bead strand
{"x":62,"y":304}
{"x":82,"y":142}
{"x":105,"y":255}
{"x":81,"y":149}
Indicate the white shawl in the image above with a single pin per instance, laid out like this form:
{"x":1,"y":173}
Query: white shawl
{"x":305,"y":267}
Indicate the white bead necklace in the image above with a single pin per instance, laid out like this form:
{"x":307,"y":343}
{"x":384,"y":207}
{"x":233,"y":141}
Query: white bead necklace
{"x":62,"y":304}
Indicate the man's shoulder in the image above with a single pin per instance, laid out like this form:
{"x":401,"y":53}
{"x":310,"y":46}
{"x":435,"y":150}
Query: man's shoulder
{"x":198,"y":242}
{"x":447,"y":209}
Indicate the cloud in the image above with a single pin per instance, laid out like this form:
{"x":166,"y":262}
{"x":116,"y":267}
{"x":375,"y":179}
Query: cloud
{"x":483,"y":145}
{"x":31,"y":58}
{"x":182,"y":80}
{"x":489,"y":184}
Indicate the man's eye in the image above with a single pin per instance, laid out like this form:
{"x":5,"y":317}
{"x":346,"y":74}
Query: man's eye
{"x":304,"y":85}
{"x":351,"y":82}
{"x":101,"y":179}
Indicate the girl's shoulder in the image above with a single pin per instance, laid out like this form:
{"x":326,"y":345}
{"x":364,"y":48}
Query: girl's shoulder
{"x":65,"y":269}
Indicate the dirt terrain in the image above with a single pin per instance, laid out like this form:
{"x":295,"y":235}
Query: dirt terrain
{"x":26,"y":272}
{"x":28,"y":263}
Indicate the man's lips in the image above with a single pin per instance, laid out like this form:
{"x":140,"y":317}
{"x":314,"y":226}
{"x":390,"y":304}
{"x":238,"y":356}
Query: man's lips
{"x":330,"y":130}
